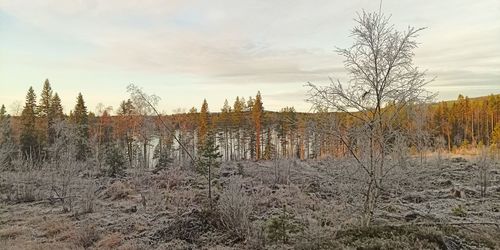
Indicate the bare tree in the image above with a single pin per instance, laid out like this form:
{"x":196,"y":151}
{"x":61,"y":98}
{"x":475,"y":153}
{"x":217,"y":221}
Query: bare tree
{"x":144,"y":106}
{"x":383,"y":81}
{"x":484,"y":161}
{"x":420,"y":134}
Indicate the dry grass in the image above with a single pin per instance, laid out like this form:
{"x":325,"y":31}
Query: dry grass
{"x":131,"y":245}
{"x":12,"y":232}
{"x":26,"y":245}
{"x":320,"y":196}
{"x":235,"y":208}
{"x":179,"y":201}
{"x":86,"y":236}
{"x":54,"y":227}
{"x":89,"y":198}
{"x":118,"y":190}
{"x":110,"y":241}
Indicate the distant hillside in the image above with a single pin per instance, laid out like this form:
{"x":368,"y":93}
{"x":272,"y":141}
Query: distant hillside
{"x":473,"y":99}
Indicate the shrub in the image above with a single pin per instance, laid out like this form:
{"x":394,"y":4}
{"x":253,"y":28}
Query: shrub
{"x":459,"y":211}
{"x":280,"y":228}
{"x":11,"y":232}
{"x":88,"y":198}
{"x":111,"y":241}
{"x":241,"y":170}
{"x":118,"y":190}
{"x":115,"y":160}
{"x":164,"y":161}
{"x":86,"y":236}
{"x":235,"y":208}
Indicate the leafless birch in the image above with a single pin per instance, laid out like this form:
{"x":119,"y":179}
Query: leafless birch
{"x":383,"y":81}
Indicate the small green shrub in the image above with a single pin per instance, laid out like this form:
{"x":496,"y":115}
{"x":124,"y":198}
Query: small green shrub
{"x":280,"y":228}
{"x":241,"y":170}
{"x":115,"y":160}
{"x":459,"y":211}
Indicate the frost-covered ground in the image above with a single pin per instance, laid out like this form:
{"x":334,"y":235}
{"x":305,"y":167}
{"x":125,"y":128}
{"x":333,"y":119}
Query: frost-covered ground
{"x":256,"y":205}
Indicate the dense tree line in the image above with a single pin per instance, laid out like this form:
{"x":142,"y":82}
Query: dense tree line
{"x":243,"y":130}
{"x":467,"y":121}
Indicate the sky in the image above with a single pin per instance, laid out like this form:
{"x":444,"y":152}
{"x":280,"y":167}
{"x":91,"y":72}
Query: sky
{"x":185,"y":51}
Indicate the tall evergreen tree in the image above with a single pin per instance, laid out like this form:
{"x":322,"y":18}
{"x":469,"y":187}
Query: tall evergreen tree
{"x":45,"y":117}
{"x":56,"y":108}
{"x":124,"y":130}
{"x":4,"y":118}
{"x":203,"y":123}
{"x":28,"y":137}
{"x":45,"y":100}
{"x":3,"y":112}
{"x":225,"y":122}
{"x":238,"y":108}
{"x":7,"y":145}
{"x":257,"y":115}
{"x":81,"y":120}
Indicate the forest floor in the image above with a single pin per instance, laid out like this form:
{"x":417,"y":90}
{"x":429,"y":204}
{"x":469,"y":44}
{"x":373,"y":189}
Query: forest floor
{"x":277,"y":205}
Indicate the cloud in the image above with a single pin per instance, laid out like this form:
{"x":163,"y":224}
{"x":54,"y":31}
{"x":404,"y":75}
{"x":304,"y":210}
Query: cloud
{"x":275,"y":45}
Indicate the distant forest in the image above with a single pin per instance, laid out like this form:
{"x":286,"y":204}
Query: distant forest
{"x":242,"y":129}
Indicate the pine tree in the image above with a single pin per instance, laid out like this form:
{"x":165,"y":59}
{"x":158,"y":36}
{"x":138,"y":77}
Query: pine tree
{"x":81,"y":120}
{"x":257,"y":115}
{"x":203,"y":123}
{"x":269,"y":149}
{"x":237,"y":120}
{"x":28,"y":137}
{"x":495,"y":136}
{"x":226,"y":121}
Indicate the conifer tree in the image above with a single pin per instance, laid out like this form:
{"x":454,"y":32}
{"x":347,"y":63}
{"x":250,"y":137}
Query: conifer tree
{"x":45,"y":100}
{"x":124,"y":129}
{"x":44,"y":114}
{"x":203,"y":123}
{"x":269,"y":148}
{"x":56,"y":115}
{"x":28,"y":137}
{"x":80,"y":119}
{"x":257,"y":114}
{"x":56,"y":109}
{"x":7,"y":145}
{"x":3,"y":113}
{"x":495,"y":136}
{"x":238,"y":108}
{"x":209,"y":159}
{"x":226,"y":124}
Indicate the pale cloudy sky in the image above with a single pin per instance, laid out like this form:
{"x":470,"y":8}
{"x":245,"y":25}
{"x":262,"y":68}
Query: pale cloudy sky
{"x":184,"y":51}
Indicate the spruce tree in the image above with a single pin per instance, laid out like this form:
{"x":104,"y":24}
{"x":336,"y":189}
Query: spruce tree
{"x":28,"y":137}
{"x":56,"y":109}
{"x":209,"y":159}
{"x":3,"y":112}
{"x":7,"y":144}
{"x":45,"y":100}
{"x":45,"y":118}
{"x":81,"y":120}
